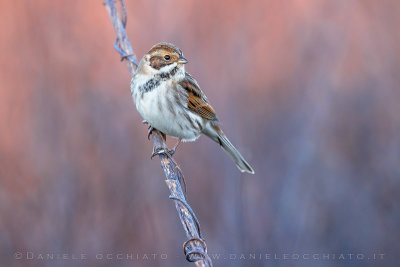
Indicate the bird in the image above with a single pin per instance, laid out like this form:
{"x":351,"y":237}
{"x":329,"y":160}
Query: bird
{"x":170,"y":100}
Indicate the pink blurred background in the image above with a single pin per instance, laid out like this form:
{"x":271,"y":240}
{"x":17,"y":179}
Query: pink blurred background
{"x":307,"y":90}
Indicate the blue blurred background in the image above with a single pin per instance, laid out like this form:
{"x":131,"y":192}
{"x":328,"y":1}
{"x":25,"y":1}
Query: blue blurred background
{"x":307,"y":90}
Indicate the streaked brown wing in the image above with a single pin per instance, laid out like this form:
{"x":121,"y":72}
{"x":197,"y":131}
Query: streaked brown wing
{"x":197,"y":101}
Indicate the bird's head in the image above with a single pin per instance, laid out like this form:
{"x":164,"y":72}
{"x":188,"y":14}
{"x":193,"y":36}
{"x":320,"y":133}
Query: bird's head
{"x":163,"y":58}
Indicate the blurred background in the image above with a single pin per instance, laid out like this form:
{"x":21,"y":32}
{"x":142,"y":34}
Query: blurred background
{"x":307,"y":90}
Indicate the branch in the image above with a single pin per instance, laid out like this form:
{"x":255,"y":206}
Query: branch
{"x":195,"y":247}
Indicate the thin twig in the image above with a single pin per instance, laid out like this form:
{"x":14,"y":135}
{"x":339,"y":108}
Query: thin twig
{"x":195,"y":248}
{"x":122,"y":44}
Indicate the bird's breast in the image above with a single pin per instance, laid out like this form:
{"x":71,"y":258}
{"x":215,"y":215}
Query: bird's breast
{"x":165,"y":109}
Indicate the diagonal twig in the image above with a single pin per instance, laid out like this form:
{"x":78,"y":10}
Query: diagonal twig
{"x":195,"y":248}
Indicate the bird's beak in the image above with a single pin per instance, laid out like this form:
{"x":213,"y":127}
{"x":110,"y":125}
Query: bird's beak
{"x":182,"y":60}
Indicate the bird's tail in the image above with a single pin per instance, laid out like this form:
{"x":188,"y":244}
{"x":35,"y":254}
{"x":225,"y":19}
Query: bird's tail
{"x":216,"y":134}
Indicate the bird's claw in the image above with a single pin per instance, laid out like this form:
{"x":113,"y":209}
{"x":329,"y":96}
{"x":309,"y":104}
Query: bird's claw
{"x":150,"y":131}
{"x":171,"y":152}
{"x":164,"y":151}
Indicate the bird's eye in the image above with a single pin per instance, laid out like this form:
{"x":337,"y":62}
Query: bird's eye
{"x":167,"y":57}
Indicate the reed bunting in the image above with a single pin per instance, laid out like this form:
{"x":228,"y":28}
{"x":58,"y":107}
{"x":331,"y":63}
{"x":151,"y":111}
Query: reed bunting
{"x":171,"y":101}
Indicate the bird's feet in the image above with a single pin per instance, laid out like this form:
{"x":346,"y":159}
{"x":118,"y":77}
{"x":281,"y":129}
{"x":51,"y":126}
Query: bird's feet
{"x":171,"y":152}
{"x":168,"y":152}
{"x":150,"y":129}
{"x":175,"y":147}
